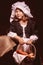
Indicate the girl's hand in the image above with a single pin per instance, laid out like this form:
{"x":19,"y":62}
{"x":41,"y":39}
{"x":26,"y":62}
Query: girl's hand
{"x":31,"y":55}
{"x":21,"y":41}
{"x":29,"y":41}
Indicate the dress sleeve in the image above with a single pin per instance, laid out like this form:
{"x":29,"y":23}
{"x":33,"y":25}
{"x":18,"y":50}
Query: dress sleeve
{"x":12,"y":31}
{"x":34,"y":31}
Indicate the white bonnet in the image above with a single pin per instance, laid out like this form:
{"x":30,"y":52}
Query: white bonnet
{"x":23,"y":7}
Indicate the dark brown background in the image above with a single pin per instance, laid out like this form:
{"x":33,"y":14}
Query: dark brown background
{"x":36,"y":8}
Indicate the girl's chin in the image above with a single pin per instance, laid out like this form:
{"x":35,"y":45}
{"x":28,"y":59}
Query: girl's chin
{"x":19,"y":18}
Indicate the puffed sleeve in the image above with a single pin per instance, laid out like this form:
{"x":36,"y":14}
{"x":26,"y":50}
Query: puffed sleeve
{"x":34,"y":31}
{"x":12,"y":31}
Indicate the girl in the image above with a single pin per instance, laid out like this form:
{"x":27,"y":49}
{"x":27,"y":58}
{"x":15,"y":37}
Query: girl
{"x":22,"y":27}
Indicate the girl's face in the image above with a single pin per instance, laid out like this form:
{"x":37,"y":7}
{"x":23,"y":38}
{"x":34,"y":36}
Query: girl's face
{"x":19,"y":14}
